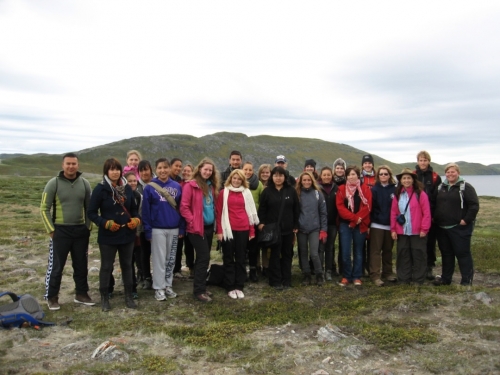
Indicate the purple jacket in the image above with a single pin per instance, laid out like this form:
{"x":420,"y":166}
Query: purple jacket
{"x":420,"y":212}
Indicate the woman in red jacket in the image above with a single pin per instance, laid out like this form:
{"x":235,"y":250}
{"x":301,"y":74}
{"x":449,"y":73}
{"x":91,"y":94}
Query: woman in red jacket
{"x":353,"y":203}
{"x":198,"y":209}
{"x":236,"y":219}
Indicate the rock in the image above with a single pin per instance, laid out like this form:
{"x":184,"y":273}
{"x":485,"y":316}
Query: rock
{"x":108,"y":352}
{"x":483,"y":297}
{"x":326,"y":359}
{"x":330,"y":333}
{"x":93,"y":269}
{"x":353,"y":351}
{"x":23,"y":271}
{"x":320,"y":372}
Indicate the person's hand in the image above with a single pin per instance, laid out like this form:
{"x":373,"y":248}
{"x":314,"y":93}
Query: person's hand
{"x":260,"y":226}
{"x":323,"y":235}
{"x":295,"y":231}
{"x":423,"y":234}
{"x":251,"y":238}
{"x":394,"y":235}
{"x":133,"y":223}
{"x":359,"y":220}
{"x":219,"y":237}
{"x":51,"y":234}
{"x":180,"y":236}
{"x":462,"y":222}
{"x":112,"y":226}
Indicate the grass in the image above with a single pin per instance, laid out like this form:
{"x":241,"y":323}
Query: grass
{"x":181,"y":334}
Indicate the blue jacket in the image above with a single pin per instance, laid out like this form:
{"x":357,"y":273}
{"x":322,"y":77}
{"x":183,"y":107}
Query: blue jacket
{"x":381,"y":203}
{"x":102,"y":208}
{"x":157,"y":212}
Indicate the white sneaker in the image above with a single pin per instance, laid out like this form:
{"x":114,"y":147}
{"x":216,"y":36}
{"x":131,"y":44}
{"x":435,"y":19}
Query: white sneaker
{"x":170,"y":293}
{"x":232,"y":294}
{"x":160,"y":295}
{"x":239,"y":293}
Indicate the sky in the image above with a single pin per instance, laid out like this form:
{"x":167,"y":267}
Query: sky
{"x":387,"y":77}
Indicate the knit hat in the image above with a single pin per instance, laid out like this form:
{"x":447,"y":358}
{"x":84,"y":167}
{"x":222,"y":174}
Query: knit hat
{"x":310,"y":162}
{"x":367,"y":158}
{"x":406,"y":171}
{"x":340,"y":162}
{"x":280,"y":159}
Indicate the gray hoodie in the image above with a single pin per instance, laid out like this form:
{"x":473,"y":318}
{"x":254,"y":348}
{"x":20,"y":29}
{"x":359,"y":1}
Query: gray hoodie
{"x":313,"y":215}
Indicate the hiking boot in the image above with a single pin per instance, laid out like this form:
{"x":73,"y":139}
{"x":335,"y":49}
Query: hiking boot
{"x":160,"y":295}
{"x":306,"y":280}
{"x":328,"y":275}
{"x":203,"y":297}
{"x":170,"y":293}
{"x":358,"y":282}
{"x":253,"y":275}
{"x":53,"y":303}
{"x":378,"y":282}
{"x":105,"y":306}
{"x":319,"y":279}
{"x":129,"y":299}
{"x":428,"y":274}
{"x":84,"y":299}
{"x":147,"y":284}
{"x":232,"y":294}
{"x":344,"y":282}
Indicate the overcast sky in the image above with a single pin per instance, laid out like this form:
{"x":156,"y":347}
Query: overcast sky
{"x":387,"y":77}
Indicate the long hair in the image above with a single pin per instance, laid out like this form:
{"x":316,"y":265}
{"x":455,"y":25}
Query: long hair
{"x":259,"y":173}
{"x":417,"y":186}
{"x":299,"y":186}
{"x":240,"y":173}
{"x":392,"y":180}
{"x":214,"y":178}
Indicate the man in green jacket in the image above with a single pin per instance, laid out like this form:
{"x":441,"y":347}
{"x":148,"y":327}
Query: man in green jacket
{"x":64,"y":213}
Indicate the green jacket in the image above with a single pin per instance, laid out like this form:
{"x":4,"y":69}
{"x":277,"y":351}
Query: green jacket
{"x":67,"y":200}
{"x":256,"y":195}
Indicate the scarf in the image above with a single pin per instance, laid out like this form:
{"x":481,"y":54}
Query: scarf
{"x":350,"y":190}
{"x":253,"y":219}
{"x":118,"y":190}
{"x":339,"y":180}
{"x":253,"y":182}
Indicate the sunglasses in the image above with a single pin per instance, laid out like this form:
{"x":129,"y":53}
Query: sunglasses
{"x":383,"y":174}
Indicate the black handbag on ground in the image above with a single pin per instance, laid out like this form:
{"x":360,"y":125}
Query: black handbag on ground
{"x":270,"y":235}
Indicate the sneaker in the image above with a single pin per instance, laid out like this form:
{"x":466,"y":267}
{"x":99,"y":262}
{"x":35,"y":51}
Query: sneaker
{"x":147,"y":284}
{"x":208,"y":293}
{"x":203,"y":297}
{"x":232,"y":294}
{"x":378,"y":282}
{"x":179,"y":275}
{"x":344,"y":282}
{"x":170,"y":293}
{"x":358,"y":282}
{"x":84,"y":299}
{"x":53,"y":303}
{"x":160,"y":295}
{"x":239,"y":293}
{"x":328,"y":275}
{"x":391,"y":278}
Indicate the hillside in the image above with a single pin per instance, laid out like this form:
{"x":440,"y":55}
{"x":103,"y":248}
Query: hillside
{"x":257,"y":149}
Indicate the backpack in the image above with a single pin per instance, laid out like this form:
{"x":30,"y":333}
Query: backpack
{"x":23,"y":309}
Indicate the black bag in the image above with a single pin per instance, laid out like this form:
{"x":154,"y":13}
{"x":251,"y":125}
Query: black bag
{"x":270,"y":235}
{"x":401,"y":219}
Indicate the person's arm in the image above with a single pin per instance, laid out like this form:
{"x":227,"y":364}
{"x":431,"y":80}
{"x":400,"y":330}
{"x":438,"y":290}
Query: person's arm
{"x":48,"y":197}
{"x":263,"y":208}
{"x":471,"y":203}
{"x":323,"y":212}
{"x":426,"y":213}
{"x":88,"y":193}
{"x":218,"y":213}
{"x":147,"y":200}
{"x":94,"y":205}
{"x":185,"y":208}
{"x":394,"y":214}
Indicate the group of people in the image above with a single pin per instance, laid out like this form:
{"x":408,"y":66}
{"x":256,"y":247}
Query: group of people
{"x":150,"y":216}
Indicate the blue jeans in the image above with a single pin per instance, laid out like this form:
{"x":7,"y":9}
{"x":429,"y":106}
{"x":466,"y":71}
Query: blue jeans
{"x":351,"y":270}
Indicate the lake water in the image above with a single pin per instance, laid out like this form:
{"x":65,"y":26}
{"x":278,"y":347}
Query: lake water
{"x":484,"y":185}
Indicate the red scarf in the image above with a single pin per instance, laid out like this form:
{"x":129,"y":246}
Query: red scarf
{"x":350,"y":190}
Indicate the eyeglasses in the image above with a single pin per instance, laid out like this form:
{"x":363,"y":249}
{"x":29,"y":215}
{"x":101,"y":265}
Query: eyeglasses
{"x":383,"y":174}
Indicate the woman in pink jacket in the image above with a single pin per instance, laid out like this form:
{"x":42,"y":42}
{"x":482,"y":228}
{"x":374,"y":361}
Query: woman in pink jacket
{"x":410,"y":223}
{"x":198,"y":209}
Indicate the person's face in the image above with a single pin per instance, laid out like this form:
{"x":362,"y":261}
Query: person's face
{"x":163,"y":171}
{"x":176,"y":168}
{"x":406,"y":180}
{"x":206,"y":171}
{"x":326,"y":176}
{"x":114,"y":174}
{"x":309,"y":168}
{"x":367,"y":166}
{"x":248,"y":170}
{"x":281,"y":164}
{"x":452,"y":175}
{"x":133,"y":160}
{"x":423,"y":163}
{"x":236,"y":181}
{"x":146,"y":175}
{"x":132,"y":181}
{"x":264,"y":174}
{"x":383,"y":176}
{"x":278,"y":179}
{"x":339,"y":171}
{"x":306,"y":181}
{"x":352,"y":177}
{"x":187,"y":173}
{"x":70,"y":167}
{"x":235,"y":161}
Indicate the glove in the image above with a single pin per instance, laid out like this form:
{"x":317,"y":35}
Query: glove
{"x":112,"y":226}
{"x":322,"y":236}
{"x":133,"y":223}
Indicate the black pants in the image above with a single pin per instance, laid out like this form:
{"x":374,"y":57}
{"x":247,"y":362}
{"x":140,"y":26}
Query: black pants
{"x":68,"y":239}
{"x":253,"y":250}
{"x":280,"y":262}
{"x":108,"y":254}
{"x":145,"y":257}
{"x":188,"y":252}
{"x":202,"y":247}
{"x":455,"y":243}
{"x":233,"y":259}
{"x":431,"y":246}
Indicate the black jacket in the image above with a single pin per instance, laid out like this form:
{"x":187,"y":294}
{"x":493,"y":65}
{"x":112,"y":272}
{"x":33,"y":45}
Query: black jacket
{"x":331,"y":203}
{"x":449,"y":209}
{"x":430,"y":184}
{"x":269,"y":208}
